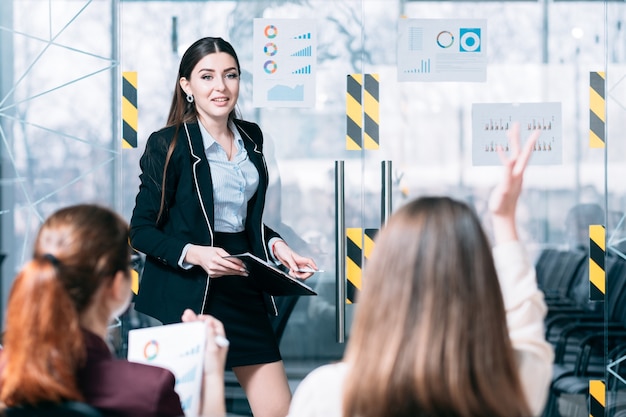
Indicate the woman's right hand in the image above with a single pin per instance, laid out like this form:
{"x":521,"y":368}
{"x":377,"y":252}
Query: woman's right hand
{"x":213,"y":260}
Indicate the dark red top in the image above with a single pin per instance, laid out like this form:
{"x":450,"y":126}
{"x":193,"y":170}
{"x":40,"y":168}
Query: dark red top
{"x":118,"y":387}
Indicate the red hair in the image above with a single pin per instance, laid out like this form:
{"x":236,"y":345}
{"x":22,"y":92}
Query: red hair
{"x":78,"y":250}
{"x":45,"y":343}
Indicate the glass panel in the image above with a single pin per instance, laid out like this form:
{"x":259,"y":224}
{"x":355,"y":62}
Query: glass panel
{"x":615,"y":58}
{"x":56,"y":116}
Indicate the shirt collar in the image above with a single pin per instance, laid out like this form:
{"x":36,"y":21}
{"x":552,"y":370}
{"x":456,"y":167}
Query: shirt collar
{"x":207,"y":139}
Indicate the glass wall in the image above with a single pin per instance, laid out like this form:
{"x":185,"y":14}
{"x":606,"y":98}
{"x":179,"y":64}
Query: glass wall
{"x":60,"y":115}
{"x":57,"y":115}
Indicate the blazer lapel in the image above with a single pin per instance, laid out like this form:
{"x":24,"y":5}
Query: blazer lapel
{"x":255,"y":155}
{"x":201,"y":174}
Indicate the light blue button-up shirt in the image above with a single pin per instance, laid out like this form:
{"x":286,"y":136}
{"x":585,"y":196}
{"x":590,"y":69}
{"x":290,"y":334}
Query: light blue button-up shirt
{"x":234,"y":182}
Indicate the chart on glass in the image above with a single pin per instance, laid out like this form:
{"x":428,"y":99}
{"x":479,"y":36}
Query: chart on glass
{"x":491,"y":121}
{"x":442,"y":50}
{"x":284,"y":62}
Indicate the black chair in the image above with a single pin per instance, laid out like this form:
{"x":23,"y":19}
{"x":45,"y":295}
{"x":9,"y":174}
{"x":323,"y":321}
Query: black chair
{"x":557,"y":271}
{"x":577,"y":308}
{"x":545,"y":266}
{"x":581,"y":340}
{"x":65,"y":409}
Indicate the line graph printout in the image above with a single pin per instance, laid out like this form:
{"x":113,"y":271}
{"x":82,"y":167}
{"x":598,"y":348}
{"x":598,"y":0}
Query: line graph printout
{"x":491,"y":122}
{"x":284,"y":68}
{"x":442,"y":50}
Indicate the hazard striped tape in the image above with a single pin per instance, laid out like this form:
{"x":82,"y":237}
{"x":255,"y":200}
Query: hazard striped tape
{"x":597,"y":255}
{"x":359,"y":246}
{"x":354,"y":112}
{"x":371,"y":111}
{"x":130,"y":114}
{"x":597,"y":398}
{"x":597,"y":106}
{"x":362,"y":112}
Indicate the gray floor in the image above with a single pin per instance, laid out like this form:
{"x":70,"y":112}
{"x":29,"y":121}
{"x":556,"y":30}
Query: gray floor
{"x":576,"y":406}
{"x":573,"y":406}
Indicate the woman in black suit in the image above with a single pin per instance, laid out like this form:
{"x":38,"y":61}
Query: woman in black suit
{"x":201,"y":198}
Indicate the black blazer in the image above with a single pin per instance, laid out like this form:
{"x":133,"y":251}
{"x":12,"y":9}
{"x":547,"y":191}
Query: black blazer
{"x":166,"y":290}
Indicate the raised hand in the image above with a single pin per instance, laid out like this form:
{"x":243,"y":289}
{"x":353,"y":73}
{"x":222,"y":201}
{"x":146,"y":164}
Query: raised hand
{"x":504,"y":197}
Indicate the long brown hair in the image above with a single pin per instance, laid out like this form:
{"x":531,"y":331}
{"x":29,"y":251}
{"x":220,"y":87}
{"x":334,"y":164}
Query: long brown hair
{"x":181,"y":111}
{"x":77,"y":250}
{"x":430,"y":336}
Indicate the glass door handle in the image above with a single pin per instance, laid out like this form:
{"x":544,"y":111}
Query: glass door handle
{"x":340,"y":246}
{"x":386,"y":190}
{"x":340,"y":235}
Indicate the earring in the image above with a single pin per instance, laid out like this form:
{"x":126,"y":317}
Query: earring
{"x":189,"y":98}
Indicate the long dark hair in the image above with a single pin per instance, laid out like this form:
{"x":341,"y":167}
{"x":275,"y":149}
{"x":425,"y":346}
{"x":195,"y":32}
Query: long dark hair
{"x":78,"y":250}
{"x":181,"y":111}
{"x":430,"y":336}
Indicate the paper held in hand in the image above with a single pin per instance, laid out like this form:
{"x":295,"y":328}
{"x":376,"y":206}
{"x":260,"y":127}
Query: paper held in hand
{"x":178,"y":347}
{"x":271,"y":279}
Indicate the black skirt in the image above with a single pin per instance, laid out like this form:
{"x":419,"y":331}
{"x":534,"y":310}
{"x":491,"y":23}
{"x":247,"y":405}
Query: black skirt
{"x":238,"y":303}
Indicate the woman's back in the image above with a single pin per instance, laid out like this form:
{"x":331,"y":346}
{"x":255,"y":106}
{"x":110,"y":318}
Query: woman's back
{"x":433,"y":335}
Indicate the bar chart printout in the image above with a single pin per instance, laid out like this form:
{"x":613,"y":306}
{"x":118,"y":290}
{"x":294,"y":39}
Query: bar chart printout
{"x":285,"y":54}
{"x":491,"y":122}
{"x":442,"y":50}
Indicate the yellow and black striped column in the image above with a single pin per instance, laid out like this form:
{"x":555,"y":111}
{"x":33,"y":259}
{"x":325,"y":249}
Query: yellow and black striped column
{"x":359,"y":246}
{"x":597,"y":118}
{"x":134,"y":281}
{"x":597,"y":398}
{"x":134,"y":273}
{"x":368,"y":242}
{"x":371,"y":111}
{"x":130,"y":114}
{"x":354,"y":112}
{"x":597,"y":252}
{"x":362,"y":112}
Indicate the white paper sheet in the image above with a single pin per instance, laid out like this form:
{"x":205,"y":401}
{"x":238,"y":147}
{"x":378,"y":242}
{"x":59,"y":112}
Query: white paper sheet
{"x":491,"y":121}
{"x":442,"y":50}
{"x":285,"y":57}
{"x":179,"y":348}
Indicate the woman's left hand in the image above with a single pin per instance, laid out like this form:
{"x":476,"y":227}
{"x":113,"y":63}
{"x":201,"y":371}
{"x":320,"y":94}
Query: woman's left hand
{"x":503,"y":199}
{"x":216,"y":346}
{"x":293,"y":261}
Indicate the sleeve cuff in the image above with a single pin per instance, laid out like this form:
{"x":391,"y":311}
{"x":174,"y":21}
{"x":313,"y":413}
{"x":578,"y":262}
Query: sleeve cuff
{"x":181,"y":260}
{"x":271,"y":252}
